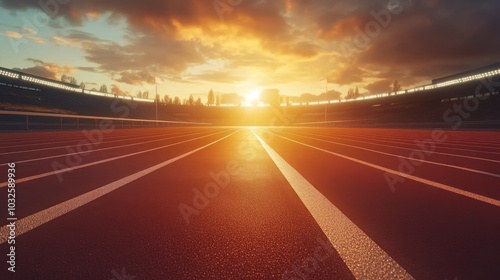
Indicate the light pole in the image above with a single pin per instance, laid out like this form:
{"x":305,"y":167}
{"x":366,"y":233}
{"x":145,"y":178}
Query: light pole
{"x":156,"y":101}
{"x":156,"y":94}
{"x":326,"y":99}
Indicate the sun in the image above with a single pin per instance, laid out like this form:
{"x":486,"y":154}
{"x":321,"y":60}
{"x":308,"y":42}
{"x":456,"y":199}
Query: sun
{"x":252,"y":97}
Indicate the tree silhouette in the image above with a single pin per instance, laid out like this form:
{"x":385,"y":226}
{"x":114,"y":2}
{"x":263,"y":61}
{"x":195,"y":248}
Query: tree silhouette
{"x":103,"y":89}
{"x":165,"y":99}
{"x":217,"y":100}
{"x":82,"y":85}
{"x":350,"y":94}
{"x":396,"y":86}
{"x":211,"y":98}
{"x":190,"y":101}
{"x":177,"y":100}
{"x":72,"y":80}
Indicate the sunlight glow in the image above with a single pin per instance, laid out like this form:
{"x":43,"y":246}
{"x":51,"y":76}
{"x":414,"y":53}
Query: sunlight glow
{"x":252,"y":98}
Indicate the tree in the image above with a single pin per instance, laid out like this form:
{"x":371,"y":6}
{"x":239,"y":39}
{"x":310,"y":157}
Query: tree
{"x":139,"y":94}
{"x":350,"y":94}
{"x":198,"y":102}
{"x":217,"y":101}
{"x":72,"y":80}
{"x":82,"y":85}
{"x":190,"y":101}
{"x":396,"y":86}
{"x":177,"y":100}
{"x":211,"y":98}
{"x":356,"y":92}
{"x":103,"y":89}
{"x":145,"y":94}
{"x":64,"y":78}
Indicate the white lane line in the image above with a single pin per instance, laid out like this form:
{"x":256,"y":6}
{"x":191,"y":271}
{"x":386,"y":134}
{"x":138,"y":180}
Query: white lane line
{"x":69,"y":169}
{"x":399,"y":156}
{"x":364,"y":258}
{"x":472,"y":195}
{"x":82,"y":139}
{"x":412,"y":149}
{"x":31,"y":222}
{"x":98,"y":150}
{"x":453,"y":141}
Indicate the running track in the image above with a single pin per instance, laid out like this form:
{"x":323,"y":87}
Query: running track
{"x":253,"y":203}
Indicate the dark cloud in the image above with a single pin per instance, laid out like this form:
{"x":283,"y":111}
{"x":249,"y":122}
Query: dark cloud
{"x":436,"y":38}
{"x":141,"y":54}
{"x":379,"y":86}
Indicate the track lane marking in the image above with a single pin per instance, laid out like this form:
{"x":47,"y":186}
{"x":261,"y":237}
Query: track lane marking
{"x":400,"y":156}
{"x":102,"y":149}
{"x":33,"y":221}
{"x":364,"y":258}
{"x":39,"y":142}
{"x":472,"y":195}
{"x":448,"y":142}
{"x":69,"y":169}
{"x":409,"y":149}
{"x":76,"y":145}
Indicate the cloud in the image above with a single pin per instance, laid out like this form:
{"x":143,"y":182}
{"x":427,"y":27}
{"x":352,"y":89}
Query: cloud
{"x":347,"y":74}
{"x":280,"y":41}
{"x":141,"y":54}
{"x":116,"y":89}
{"x":16,"y":35}
{"x":48,"y":70}
{"x":219,"y":77}
{"x":13,"y":34}
{"x":28,"y":31}
{"x":135,"y":77}
{"x":60,"y":41}
{"x":36,"y":39}
{"x":380,"y":86}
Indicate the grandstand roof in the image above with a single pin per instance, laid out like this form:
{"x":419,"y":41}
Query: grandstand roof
{"x":495,"y":66}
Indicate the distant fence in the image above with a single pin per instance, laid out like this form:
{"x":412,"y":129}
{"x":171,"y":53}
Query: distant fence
{"x":15,"y":120}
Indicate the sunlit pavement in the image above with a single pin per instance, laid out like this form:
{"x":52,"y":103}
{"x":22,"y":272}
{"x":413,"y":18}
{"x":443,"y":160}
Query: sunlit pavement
{"x":253,"y":203}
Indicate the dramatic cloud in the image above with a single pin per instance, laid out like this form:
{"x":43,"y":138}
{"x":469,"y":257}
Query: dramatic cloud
{"x":365,"y":43}
{"x":47,"y":70}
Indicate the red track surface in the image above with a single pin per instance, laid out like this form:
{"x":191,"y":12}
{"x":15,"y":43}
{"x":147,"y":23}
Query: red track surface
{"x":118,"y":213}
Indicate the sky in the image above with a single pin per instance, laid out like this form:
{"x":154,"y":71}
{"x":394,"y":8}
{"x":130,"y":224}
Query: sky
{"x":245,"y":46}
